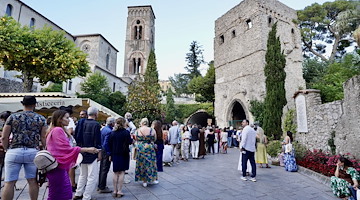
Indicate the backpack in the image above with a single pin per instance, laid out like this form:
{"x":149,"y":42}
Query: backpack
{"x":44,"y":161}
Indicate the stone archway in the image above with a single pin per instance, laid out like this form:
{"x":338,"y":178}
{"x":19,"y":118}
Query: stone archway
{"x":236,"y":114}
{"x":200,"y":117}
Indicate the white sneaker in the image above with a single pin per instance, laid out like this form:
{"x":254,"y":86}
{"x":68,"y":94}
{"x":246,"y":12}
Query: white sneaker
{"x":155,"y":182}
{"x":145,"y":184}
{"x":253,"y":179}
{"x":243,"y":178}
{"x":127,"y":181}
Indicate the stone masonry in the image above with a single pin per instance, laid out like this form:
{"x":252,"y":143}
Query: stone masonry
{"x":239,"y":51}
{"x":340,"y":116}
{"x":140,"y":39}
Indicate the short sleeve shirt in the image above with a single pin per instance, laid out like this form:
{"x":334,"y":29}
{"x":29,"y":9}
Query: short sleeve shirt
{"x":26,"y":128}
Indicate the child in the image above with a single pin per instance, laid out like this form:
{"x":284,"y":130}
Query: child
{"x":167,"y":154}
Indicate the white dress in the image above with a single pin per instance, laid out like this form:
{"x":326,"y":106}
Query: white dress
{"x":216,"y":145}
{"x":240,"y":165}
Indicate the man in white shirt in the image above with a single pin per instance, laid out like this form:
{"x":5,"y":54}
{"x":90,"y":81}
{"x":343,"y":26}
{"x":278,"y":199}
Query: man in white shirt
{"x":247,"y":145}
{"x":167,"y":154}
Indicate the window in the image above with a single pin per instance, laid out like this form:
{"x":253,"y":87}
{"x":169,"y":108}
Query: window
{"x":70,"y":85}
{"x":134,"y":66}
{"x":140,"y":33}
{"x":32,"y":22}
{"x":269,"y":21}
{"x":249,"y":23}
{"x":107,"y":61}
{"x":233,"y":33}
{"x":222,"y":39}
{"x":9,"y":9}
{"x":138,"y":65}
{"x":137,"y":32}
{"x":114,"y":84}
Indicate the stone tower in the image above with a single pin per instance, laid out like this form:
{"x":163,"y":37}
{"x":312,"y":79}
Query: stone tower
{"x":239,"y":53}
{"x":140,"y":35}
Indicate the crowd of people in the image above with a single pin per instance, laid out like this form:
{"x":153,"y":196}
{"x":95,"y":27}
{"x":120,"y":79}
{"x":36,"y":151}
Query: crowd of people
{"x":87,"y":146}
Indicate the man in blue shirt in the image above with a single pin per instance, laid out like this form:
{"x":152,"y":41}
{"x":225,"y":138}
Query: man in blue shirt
{"x":90,"y":136}
{"x":105,"y":162}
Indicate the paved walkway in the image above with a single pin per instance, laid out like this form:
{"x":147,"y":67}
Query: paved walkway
{"x":215,"y":177}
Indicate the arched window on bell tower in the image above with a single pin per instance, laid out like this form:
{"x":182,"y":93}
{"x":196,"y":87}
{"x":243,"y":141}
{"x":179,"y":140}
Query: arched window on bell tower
{"x":134,"y":66}
{"x":138,"y":30}
{"x":138,"y":65}
{"x":140,"y":33}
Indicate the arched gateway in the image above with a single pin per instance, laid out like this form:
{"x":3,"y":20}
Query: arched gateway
{"x":199,"y":117}
{"x":236,"y":114}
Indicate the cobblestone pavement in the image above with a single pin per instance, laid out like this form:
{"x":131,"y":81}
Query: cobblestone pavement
{"x":215,"y":177}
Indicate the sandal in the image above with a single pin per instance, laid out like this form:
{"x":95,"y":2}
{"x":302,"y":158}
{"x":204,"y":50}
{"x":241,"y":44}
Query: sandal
{"x":120,"y":195}
{"x":114,"y":194}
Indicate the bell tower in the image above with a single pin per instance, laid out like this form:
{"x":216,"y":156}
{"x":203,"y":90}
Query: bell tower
{"x":140,"y":35}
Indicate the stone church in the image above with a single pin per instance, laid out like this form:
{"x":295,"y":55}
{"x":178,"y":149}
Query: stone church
{"x":239,"y":54}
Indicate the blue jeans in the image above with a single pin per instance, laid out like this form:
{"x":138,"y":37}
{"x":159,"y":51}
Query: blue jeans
{"x":15,"y":159}
{"x":229,"y":139}
{"x":245,"y":157}
{"x":353,"y":193}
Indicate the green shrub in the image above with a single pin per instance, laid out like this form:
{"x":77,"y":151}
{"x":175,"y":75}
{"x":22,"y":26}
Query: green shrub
{"x":300,"y":150}
{"x":289,"y":123}
{"x":274,"y":148}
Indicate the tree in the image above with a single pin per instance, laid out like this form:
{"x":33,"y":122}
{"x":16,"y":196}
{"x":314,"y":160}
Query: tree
{"x":313,"y":70}
{"x":275,"y":75}
{"x":117,"y":101}
{"x":203,"y":87}
{"x":257,"y":110}
{"x":96,"y":88}
{"x":144,"y":95}
{"x":194,"y":59}
{"x":180,"y":82}
{"x":43,"y":53}
{"x":320,"y":24}
{"x":151,"y":76}
{"x":331,"y":83}
{"x":170,"y":110}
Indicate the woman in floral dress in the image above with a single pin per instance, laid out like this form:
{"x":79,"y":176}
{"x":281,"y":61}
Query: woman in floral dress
{"x":146,"y":169}
{"x":346,"y":180}
{"x":289,"y":157}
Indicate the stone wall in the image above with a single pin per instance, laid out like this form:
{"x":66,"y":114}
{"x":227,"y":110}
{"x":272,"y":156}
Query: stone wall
{"x":12,"y":86}
{"x":341,"y":117}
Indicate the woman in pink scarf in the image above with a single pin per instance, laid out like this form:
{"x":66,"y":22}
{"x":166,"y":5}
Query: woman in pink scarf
{"x":58,"y":144}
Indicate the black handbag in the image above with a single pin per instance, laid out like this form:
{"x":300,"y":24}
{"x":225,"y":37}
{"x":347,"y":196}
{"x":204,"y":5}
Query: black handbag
{"x":40,"y":178}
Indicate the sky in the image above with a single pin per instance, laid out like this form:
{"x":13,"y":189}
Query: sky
{"x":177,"y":24}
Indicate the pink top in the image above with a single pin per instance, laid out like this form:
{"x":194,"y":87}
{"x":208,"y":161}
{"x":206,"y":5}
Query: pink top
{"x":58,"y":145}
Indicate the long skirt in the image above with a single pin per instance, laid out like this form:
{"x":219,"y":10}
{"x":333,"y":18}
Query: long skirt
{"x":290,"y":162}
{"x":59,"y":185}
{"x":261,"y":154}
{"x":159,"y":157}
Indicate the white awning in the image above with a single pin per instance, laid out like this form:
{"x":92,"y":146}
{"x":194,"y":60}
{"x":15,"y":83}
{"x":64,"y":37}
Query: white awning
{"x":13,"y":104}
{"x":103,"y":108}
